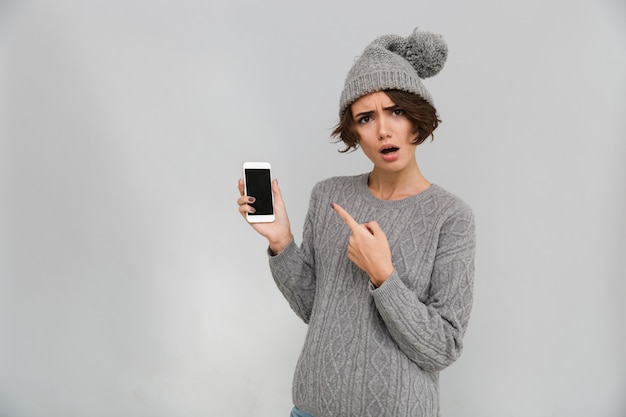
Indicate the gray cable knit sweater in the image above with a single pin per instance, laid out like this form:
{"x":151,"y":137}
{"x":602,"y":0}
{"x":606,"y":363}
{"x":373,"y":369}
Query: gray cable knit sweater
{"x":378,"y":352}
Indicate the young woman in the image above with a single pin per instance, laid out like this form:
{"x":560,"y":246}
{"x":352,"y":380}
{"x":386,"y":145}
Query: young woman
{"x":384,"y":274}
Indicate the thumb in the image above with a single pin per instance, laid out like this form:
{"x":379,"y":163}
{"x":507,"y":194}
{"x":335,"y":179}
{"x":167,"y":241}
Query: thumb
{"x":278,"y":197}
{"x":374,"y":228}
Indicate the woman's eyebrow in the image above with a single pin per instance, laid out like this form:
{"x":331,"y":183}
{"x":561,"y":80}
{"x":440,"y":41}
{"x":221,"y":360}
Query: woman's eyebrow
{"x":364,"y":113}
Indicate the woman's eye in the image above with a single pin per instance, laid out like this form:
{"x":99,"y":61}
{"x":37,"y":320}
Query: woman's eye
{"x":398,"y":112}
{"x":364,"y":119}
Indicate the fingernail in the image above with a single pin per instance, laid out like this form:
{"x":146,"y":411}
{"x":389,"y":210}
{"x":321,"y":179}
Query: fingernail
{"x":251,"y":199}
{"x":252,"y":210}
{"x":332,"y":205}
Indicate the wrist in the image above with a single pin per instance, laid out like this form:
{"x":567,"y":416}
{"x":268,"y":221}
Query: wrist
{"x":379,"y":278}
{"x":278,"y":245}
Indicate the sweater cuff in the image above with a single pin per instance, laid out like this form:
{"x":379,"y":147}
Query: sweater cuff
{"x":387,"y":288}
{"x":289,"y":248}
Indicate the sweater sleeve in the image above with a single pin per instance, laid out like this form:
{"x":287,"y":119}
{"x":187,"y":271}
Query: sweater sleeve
{"x":295,"y":279}
{"x":293,"y":270}
{"x":431,"y":332}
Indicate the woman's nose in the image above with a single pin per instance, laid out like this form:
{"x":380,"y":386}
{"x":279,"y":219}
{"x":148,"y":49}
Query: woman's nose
{"x":383,"y":131}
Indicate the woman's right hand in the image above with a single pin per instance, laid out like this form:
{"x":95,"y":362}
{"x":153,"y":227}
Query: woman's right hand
{"x":278,"y":233}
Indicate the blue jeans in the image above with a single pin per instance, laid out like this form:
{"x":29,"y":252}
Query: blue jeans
{"x":296,"y":412}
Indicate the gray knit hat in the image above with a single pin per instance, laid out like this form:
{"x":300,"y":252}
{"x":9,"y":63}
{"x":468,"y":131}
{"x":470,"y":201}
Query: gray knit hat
{"x":394,"y":62}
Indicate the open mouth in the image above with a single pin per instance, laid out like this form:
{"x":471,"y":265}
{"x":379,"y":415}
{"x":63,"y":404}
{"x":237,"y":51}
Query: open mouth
{"x":390,"y":149}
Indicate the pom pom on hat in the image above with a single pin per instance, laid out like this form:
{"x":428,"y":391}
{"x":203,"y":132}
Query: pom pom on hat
{"x":427,"y":53}
{"x":393,"y":62}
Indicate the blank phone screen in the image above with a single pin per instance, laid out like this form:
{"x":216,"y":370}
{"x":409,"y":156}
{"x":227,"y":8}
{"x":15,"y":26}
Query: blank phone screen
{"x":259,"y":186}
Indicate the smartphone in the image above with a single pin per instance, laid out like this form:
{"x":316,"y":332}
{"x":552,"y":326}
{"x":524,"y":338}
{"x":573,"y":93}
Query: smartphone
{"x":257,"y":178}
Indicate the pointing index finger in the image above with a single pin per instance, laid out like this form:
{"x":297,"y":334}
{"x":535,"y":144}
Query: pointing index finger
{"x":345,"y":216}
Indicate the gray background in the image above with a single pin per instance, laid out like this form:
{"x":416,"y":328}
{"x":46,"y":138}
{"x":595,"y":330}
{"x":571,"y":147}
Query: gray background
{"x":130,"y":285}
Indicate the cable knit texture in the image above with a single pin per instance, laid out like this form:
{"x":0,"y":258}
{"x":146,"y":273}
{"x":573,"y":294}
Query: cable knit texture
{"x":378,"y":352}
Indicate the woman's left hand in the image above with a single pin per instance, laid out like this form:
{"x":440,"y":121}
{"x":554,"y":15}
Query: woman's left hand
{"x":368,"y":247}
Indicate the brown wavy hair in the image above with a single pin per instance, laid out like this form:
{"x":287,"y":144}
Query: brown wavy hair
{"x":421,"y":113}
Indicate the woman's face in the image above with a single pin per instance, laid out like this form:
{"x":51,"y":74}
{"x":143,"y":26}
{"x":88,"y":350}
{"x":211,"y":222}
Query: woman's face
{"x":385,"y":132}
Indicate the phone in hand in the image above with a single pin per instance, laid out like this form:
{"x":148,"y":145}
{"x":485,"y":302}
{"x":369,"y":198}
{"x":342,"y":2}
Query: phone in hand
{"x":257,"y":179}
